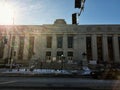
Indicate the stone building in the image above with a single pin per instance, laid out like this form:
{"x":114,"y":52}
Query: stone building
{"x":53,"y":42}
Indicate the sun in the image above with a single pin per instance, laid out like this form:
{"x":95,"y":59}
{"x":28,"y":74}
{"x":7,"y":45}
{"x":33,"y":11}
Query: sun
{"x":6,"y":14}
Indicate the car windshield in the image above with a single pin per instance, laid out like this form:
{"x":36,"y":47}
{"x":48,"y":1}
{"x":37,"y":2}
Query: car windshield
{"x":60,"y":44}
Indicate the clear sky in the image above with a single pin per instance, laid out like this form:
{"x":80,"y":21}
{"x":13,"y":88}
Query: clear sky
{"x":38,"y":12}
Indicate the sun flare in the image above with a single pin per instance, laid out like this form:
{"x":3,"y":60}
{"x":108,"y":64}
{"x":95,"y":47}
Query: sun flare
{"x":6,"y":14}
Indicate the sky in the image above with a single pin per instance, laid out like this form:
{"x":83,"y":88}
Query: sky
{"x":39,"y":12}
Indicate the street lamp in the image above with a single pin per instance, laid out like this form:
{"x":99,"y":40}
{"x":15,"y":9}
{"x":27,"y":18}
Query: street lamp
{"x":62,"y":61}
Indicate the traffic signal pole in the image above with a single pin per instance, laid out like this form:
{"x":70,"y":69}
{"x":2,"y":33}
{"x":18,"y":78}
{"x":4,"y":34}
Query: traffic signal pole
{"x":80,"y":5}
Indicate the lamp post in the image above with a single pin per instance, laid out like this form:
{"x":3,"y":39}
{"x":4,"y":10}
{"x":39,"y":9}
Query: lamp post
{"x":62,"y":61}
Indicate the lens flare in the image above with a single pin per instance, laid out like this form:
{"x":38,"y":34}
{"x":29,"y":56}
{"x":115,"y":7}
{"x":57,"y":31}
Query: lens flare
{"x":6,"y":13}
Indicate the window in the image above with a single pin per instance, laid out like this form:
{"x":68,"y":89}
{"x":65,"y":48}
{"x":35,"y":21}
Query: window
{"x":70,"y":55}
{"x":59,"y":42}
{"x":99,"y":49}
{"x":70,"y":41}
{"x":49,"y":41}
{"x":21,"y":47}
{"x":110,"y":48}
{"x":89,"y":48}
{"x":48,"y":55}
{"x":59,"y":54}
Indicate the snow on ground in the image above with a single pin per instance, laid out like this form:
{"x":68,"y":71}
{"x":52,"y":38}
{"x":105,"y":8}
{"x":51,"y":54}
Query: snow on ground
{"x":37,"y":71}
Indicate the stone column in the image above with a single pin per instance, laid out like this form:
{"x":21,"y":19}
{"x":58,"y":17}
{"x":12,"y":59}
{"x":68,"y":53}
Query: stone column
{"x":77,"y":49}
{"x":39,"y":46}
{"x":36,"y":45}
{"x":26,"y":47}
{"x":5,"y":55}
{"x":54,"y":46}
{"x":116,"y":48}
{"x":16,"y":46}
{"x":82,"y":45}
{"x":43,"y":46}
{"x":65,"y":46}
{"x":105,"y":48}
{"x":94,"y":47}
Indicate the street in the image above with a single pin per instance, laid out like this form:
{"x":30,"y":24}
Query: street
{"x":31,"y":83}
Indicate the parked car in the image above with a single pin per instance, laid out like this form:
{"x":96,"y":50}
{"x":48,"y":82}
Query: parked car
{"x":84,"y":71}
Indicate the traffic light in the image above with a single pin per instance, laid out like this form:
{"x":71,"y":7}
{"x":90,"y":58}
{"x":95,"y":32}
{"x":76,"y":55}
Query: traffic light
{"x":74,"y":18}
{"x":77,"y":3}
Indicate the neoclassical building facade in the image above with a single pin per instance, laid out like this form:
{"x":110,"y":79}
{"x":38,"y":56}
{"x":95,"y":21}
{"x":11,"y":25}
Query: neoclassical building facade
{"x":52,"y":42}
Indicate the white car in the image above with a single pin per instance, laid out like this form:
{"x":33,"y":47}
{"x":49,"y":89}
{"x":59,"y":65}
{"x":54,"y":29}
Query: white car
{"x":85,"y":71}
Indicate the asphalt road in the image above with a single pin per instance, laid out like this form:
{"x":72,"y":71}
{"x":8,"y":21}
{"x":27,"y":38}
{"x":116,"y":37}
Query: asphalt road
{"x":37,"y":83}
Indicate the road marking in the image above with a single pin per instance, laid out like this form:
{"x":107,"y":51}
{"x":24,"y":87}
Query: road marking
{"x":8,"y":82}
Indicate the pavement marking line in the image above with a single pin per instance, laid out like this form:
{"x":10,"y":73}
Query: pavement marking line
{"x":8,"y":82}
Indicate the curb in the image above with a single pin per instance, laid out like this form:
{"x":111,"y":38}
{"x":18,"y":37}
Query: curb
{"x":42,"y":75}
